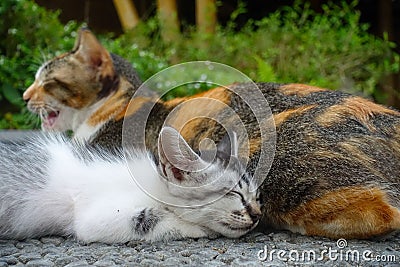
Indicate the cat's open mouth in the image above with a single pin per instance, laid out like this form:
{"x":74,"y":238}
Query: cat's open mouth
{"x":49,"y":118}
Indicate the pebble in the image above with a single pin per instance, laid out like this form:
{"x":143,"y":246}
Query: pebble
{"x":11,"y":260}
{"x":39,"y":263}
{"x":5,"y":251}
{"x":149,"y":262}
{"x":30,"y":256}
{"x":64,"y":260}
{"x":104,"y":263}
{"x":52,"y":240}
{"x":78,"y":263}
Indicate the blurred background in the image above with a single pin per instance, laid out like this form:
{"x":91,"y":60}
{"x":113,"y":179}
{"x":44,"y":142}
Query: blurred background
{"x":351,"y":46}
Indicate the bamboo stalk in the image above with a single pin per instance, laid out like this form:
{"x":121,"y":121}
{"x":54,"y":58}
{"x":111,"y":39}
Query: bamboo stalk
{"x":168,"y":15}
{"x":127,"y":13}
{"x":206,"y":16}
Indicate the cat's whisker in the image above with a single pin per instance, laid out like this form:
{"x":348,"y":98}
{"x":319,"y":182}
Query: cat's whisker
{"x":33,"y":119}
{"x":50,"y":107}
{"x":41,"y":115}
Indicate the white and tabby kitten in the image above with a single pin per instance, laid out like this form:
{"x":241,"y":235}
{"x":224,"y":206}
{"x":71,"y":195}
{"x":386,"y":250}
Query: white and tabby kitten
{"x":51,"y":186}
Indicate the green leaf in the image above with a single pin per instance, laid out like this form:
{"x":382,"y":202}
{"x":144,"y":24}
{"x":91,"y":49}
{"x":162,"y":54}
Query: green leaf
{"x":12,"y":95}
{"x":265,"y":71}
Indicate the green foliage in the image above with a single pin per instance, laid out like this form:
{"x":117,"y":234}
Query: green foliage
{"x":29,"y":34}
{"x":145,"y":62}
{"x":265,"y":72}
{"x":331,"y":49}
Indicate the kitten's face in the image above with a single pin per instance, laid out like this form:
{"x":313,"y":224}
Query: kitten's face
{"x":218,"y":196}
{"x":234,"y":214}
{"x":70,"y":83}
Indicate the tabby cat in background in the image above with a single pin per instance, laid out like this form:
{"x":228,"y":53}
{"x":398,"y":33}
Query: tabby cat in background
{"x":336,"y":169}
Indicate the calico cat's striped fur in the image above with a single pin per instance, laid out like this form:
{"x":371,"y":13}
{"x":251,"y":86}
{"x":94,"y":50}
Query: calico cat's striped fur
{"x":336,"y":167}
{"x":51,"y":186}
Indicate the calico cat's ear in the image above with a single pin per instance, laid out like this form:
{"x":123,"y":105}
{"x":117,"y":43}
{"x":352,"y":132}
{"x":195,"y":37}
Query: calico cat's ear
{"x":176,"y":156}
{"x":89,"y":50}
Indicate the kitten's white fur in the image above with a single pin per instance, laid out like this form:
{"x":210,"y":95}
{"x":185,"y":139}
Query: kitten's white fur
{"x":64,"y":188}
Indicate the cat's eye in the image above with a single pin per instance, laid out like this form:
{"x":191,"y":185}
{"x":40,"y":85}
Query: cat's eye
{"x":61,"y":84}
{"x":48,"y":85}
{"x":237,"y":194}
{"x":53,"y":84}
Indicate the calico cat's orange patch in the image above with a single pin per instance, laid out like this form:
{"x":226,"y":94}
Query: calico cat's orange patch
{"x":283,"y":116}
{"x":355,"y":107}
{"x":134,"y":105}
{"x":357,"y":212}
{"x":254,"y":145}
{"x":195,"y":109}
{"x":219,"y":93}
{"x":174,"y":102}
{"x":113,"y":107}
{"x":77,"y":102}
{"x":299,"y":89}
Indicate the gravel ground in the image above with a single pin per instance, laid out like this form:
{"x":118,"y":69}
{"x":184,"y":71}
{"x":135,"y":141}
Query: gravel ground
{"x":58,"y":251}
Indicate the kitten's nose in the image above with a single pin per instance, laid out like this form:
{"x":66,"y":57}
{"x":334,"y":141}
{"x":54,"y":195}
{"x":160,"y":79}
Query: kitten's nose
{"x":254,"y":212}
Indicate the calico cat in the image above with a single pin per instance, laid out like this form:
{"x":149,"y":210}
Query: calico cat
{"x":51,"y":186}
{"x":336,"y":167}
{"x":84,"y":89}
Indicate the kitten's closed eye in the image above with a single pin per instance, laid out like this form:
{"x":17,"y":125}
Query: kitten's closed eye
{"x":62,"y":85}
{"x":233,"y":193}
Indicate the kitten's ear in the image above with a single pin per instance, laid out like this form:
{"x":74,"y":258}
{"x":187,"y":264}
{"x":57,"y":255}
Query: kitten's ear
{"x":228,"y":146}
{"x":176,"y":156}
{"x":90,"y":51}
